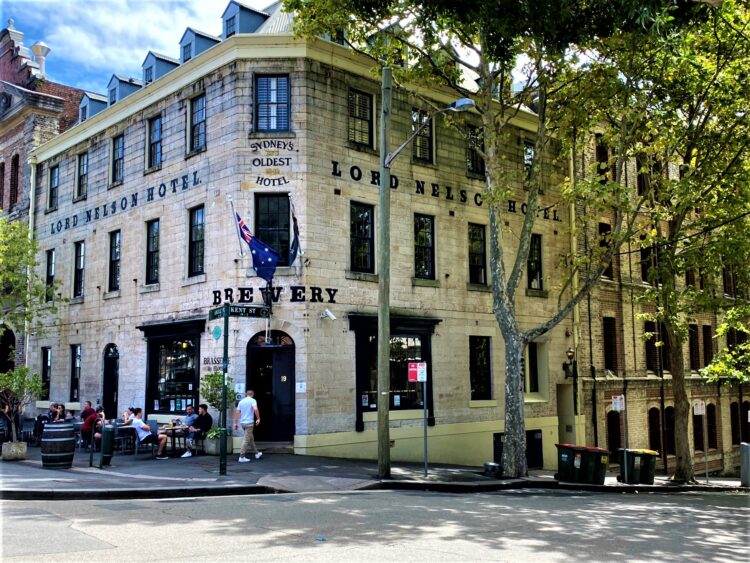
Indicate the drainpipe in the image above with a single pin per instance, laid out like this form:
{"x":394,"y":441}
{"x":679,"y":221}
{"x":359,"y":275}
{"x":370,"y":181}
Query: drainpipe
{"x":576,"y":307}
{"x":32,"y":225}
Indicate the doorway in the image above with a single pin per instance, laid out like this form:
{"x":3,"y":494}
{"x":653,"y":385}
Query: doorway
{"x":614,"y":434}
{"x":270,"y":373}
{"x":7,"y":349}
{"x":110,"y":381}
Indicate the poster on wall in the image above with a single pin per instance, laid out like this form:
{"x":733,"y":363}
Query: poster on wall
{"x":156,"y":404}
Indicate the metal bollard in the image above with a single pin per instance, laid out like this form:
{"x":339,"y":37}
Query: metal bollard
{"x":745,"y":464}
{"x":108,"y":445}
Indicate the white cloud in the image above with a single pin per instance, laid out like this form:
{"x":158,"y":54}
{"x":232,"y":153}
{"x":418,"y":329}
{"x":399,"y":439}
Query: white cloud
{"x":100,"y":38}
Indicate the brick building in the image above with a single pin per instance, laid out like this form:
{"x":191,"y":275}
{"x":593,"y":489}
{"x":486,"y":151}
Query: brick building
{"x":32,"y":111}
{"x":134,"y":206}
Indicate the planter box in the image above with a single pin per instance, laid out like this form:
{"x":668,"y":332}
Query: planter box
{"x":14,"y":451}
{"x":212,"y":446}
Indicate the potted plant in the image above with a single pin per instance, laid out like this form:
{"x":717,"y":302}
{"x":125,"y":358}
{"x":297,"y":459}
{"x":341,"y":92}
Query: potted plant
{"x":211,"y":391}
{"x":17,"y":389}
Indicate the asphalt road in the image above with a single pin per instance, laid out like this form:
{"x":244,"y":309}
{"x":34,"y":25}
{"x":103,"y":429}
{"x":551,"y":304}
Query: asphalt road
{"x":383,"y":526}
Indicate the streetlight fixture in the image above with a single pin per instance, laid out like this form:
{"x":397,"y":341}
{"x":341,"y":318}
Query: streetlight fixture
{"x":384,"y":263}
{"x":571,"y":370}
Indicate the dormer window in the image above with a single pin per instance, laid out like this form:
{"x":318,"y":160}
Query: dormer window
{"x":186,"y":53}
{"x":84,"y":113}
{"x":112,"y":96}
{"x":148,"y":74}
{"x":231,"y":29}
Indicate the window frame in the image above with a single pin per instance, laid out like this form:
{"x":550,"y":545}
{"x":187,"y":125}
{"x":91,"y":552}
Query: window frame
{"x":474,"y":143}
{"x":423,"y":145}
{"x":115,"y":256}
{"x":152,"y":251}
{"x":276,"y":234}
{"x":424,"y":254}
{"x":480,"y":368}
{"x":53,"y":187}
{"x":527,"y":157}
{"x":604,"y":243}
{"x":83,"y":113}
{"x":364,"y":242}
{"x":46,"y":372}
{"x":113,"y":96}
{"x":279,"y":113}
{"x":196,"y":241}
{"x":148,"y":74}
{"x":535,"y":264}
{"x":79,"y":268}
{"x":187,"y":52}
{"x":76,"y":357}
{"x":82,"y":176}
{"x":360,"y":123}
{"x":230,"y":30}
{"x":197,"y":135}
{"x":49,"y":280}
{"x":694,"y":351}
{"x":2,"y":185}
{"x":154,"y":154}
{"x":118,"y":159}
{"x":477,"y":259}
{"x":610,"y":348}
{"x":13,"y":192}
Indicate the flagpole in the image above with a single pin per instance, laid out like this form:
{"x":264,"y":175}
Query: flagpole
{"x":236,"y":224}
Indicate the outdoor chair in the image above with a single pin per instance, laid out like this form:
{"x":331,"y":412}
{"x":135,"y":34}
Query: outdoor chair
{"x":124,"y":437}
{"x":155,"y":431}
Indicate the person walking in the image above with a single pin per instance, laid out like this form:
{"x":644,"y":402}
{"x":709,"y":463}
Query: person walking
{"x":248,"y":416}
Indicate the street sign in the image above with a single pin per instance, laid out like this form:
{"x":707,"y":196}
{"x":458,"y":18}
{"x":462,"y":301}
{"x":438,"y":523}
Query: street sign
{"x":618,"y":403}
{"x":417,"y":371}
{"x":246,"y":311}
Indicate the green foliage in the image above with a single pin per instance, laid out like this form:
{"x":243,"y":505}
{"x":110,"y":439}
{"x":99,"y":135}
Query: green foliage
{"x":22,"y":300}
{"x":214,"y":433}
{"x":17,"y":389}
{"x":732,"y":365}
{"x":211,"y":389}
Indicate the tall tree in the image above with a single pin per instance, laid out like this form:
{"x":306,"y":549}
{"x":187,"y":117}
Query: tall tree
{"x":444,"y":43}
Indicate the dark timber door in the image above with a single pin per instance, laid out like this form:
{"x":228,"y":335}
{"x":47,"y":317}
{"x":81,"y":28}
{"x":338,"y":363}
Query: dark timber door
{"x":270,"y":373}
{"x":110,"y":381}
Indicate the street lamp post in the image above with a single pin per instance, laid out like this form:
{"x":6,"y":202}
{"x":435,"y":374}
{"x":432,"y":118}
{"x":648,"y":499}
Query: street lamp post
{"x":571,"y":370}
{"x":384,"y":263}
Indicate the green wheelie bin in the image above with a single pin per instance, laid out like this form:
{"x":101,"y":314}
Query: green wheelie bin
{"x":648,"y":466}
{"x":569,"y":462}
{"x":596,"y":465}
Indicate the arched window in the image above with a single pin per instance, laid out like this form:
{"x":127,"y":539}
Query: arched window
{"x":734,"y":420}
{"x":13,"y":181}
{"x":711,"y":426}
{"x":698,"y":443}
{"x":654,"y":429}
{"x":614,"y":436}
{"x":744,"y":423}
{"x":669,"y":430}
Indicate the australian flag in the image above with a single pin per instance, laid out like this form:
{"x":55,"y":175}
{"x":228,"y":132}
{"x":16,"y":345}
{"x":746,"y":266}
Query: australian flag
{"x":265,"y":258}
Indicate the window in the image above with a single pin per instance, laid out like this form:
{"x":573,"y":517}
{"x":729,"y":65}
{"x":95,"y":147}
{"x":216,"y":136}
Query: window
{"x":477,"y":255}
{"x":690,"y":277}
{"x":360,"y":118}
{"x":474,"y":145}
{"x":114,"y":260}
{"x":148,"y":74}
{"x":421,"y":122}
{"x":173,"y":374}
{"x":196,"y":245}
{"x":112,"y":96}
{"x":729,"y":281}
{"x":231,"y":30}
{"x":272,"y":103}
{"x":75,"y":371}
{"x":187,"y":52}
{"x":669,"y":430}
{"x":2,"y":184}
{"x":154,"y":142}
{"x":708,"y":345}
{"x":648,"y":263}
{"x":50,"y":278}
{"x":404,"y":394}
{"x":198,"y":123}
{"x":424,"y":247}
{"x":531,"y":383}
{"x":642,"y":178}
{"x":13,"y":181}
{"x":534,"y":263}
{"x":82,"y":177}
{"x":54,"y":185}
{"x":654,"y":429}
{"x":361,"y":237}
{"x":78,"y":266}
{"x":655,"y":353}
{"x":602,"y":159}
{"x":118,"y":159}
{"x":609,"y":333}
{"x":480,"y":372}
{"x":84,"y":113}
{"x":152,"y":252}
{"x":528,"y":157}
{"x":694,"y":347}
{"x":605,"y":241}
{"x":698,"y":444}
{"x":734,"y":420}
{"x":745,"y":421}
{"x":46,"y":372}
{"x":711,"y":426}
{"x":272,"y":223}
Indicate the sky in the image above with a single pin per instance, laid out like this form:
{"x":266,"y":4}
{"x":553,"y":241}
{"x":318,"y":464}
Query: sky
{"x":91,"y":40}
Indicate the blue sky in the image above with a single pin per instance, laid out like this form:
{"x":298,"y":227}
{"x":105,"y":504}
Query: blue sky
{"x":91,"y":40}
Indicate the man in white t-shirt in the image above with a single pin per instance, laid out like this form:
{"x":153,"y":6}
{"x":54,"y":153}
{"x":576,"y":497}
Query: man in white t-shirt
{"x":146,"y":436}
{"x":248,"y":416}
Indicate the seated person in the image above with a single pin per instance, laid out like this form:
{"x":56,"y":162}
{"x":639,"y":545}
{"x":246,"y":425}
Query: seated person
{"x":87,"y":410}
{"x":145,"y":436}
{"x":53,"y":413}
{"x":198,"y":428}
{"x":93,"y":423}
{"x":70,"y":416}
{"x":190,"y":416}
{"x":128,"y":416}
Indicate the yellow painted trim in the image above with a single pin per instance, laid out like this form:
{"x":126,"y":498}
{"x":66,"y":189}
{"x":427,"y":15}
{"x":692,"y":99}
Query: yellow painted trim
{"x":410,"y":414}
{"x":483,"y":404}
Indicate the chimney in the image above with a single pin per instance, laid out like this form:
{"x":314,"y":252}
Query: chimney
{"x":40,"y":51}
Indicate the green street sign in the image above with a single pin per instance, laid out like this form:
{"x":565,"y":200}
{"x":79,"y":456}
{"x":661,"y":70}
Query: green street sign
{"x":246,"y":311}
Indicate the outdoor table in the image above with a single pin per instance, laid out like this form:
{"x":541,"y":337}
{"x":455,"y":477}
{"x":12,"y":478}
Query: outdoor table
{"x":125,"y":434}
{"x":174,"y":432}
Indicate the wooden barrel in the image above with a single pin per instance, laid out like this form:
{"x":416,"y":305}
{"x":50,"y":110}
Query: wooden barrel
{"x":58,"y":445}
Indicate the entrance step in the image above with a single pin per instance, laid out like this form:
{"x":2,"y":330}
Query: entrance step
{"x":276,"y":447}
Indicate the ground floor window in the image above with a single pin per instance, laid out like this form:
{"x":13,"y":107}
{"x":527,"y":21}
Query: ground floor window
{"x":734,"y":416}
{"x":410,"y":342}
{"x":173,"y":373}
{"x":654,"y":429}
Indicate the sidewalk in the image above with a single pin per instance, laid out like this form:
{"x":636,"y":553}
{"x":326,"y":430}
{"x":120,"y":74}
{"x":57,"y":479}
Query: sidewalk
{"x":140,"y":476}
